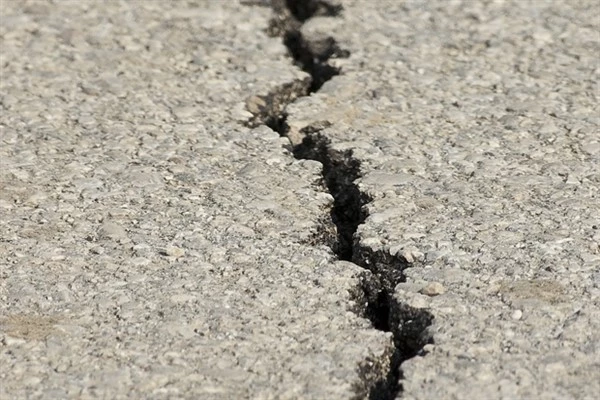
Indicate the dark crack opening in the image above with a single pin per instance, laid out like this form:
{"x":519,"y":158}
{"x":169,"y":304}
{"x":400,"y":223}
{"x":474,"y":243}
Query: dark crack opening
{"x":304,"y":10}
{"x":311,"y":57}
{"x":339,"y":172}
{"x":408,"y":325}
{"x":380,"y":377}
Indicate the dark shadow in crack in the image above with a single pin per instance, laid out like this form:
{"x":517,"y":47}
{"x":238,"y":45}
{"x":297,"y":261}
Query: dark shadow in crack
{"x":408,"y":325}
{"x":380,"y":377}
{"x":340,"y":170}
{"x":303,"y":10}
{"x":311,"y":56}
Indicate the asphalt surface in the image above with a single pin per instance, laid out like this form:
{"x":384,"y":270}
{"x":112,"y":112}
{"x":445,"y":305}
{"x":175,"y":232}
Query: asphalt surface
{"x":476,"y":129}
{"x":299,"y":199}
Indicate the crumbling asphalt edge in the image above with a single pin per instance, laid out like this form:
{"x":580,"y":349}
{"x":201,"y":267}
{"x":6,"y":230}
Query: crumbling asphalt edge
{"x":380,"y":377}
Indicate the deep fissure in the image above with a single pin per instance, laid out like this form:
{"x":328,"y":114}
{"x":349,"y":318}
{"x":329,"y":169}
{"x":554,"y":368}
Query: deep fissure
{"x":376,"y":295}
{"x":380,"y":378}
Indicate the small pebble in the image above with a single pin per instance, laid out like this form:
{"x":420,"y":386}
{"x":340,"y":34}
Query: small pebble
{"x":173,"y":251}
{"x":517,"y":314}
{"x":433,"y":289}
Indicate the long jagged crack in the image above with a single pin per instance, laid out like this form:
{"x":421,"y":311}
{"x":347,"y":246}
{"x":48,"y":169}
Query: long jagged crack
{"x":311,"y":57}
{"x":407,"y":324}
{"x":381,"y":376}
{"x":379,"y":379}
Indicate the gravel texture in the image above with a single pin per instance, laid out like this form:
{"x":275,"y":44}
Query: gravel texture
{"x":152,"y":246}
{"x":295,"y":199}
{"x":476,"y":129}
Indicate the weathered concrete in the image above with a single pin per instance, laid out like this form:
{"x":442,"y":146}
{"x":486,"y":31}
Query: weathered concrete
{"x":160,"y":240}
{"x":152,"y":245}
{"x":476,"y":129}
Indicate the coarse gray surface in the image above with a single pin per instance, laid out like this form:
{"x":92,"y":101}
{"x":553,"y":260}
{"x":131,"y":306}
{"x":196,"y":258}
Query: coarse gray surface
{"x":476,"y":125}
{"x":151,"y":245}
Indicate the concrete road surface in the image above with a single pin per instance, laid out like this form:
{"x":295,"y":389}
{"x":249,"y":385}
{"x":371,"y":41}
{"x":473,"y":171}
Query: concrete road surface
{"x":299,"y":199}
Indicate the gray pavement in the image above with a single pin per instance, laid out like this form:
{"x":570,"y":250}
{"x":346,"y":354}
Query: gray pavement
{"x":153,"y":246}
{"x":476,"y":129}
{"x":299,"y":199}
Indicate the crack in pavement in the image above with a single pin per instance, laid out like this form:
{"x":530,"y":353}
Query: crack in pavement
{"x":380,"y":379}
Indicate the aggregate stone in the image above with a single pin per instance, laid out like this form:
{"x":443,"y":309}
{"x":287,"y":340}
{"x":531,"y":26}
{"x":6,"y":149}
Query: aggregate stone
{"x":153,"y":246}
{"x":476,"y":128}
